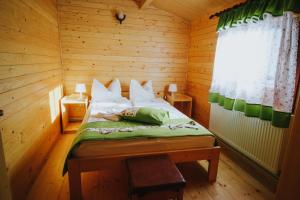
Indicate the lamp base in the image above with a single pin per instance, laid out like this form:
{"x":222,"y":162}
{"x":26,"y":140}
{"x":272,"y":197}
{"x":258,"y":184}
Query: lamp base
{"x":81,"y":96}
{"x":173,"y":95}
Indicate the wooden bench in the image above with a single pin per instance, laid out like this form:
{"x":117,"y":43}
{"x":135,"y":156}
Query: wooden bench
{"x":154,"y":177}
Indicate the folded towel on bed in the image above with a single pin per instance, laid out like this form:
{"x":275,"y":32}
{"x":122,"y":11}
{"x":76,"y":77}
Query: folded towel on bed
{"x":110,"y":117}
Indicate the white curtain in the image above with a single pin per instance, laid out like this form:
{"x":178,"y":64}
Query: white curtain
{"x":256,"y":62}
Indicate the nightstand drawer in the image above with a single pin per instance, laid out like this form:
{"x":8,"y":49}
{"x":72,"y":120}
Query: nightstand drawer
{"x":183,"y":107}
{"x":182,"y":102}
{"x":76,"y":111}
{"x":73,"y":111}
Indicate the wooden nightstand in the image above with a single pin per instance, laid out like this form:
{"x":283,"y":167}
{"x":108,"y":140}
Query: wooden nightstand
{"x":73,"y":110}
{"x":182,"y":102}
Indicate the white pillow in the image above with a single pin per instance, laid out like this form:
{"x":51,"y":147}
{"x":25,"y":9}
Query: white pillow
{"x":139,"y":93}
{"x":100,"y":93}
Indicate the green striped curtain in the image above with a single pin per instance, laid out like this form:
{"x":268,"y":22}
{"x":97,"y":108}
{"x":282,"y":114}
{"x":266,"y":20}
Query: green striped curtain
{"x":278,"y":119}
{"x":254,"y":10}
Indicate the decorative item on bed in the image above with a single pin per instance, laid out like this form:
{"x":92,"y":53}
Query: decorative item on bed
{"x":255,"y":61}
{"x":146,"y":115}
{"x":147,"y":126}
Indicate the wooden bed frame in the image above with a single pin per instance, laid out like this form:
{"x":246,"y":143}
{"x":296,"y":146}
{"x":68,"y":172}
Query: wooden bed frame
{"x":78,"y":165}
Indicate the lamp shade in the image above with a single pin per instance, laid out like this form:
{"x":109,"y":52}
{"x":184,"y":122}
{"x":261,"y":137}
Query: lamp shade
{"x":120,"y":14}
{"x":173,"y":87}
{"x":80,"y":88}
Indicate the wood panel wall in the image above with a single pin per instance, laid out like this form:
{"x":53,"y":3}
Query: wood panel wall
{"x":5,"y":192}
{"x":150,"y":44}
{"x":191,"y":9}
{"x":203,"y":38}
{"x":30,"y":87}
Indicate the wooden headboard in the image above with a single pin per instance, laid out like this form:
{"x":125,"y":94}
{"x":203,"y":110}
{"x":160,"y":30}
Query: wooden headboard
{"x":159,"y":94}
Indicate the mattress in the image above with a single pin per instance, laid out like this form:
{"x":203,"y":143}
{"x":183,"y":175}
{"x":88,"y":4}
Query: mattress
{"x":137,"y":145}
{"x":141,"y":145}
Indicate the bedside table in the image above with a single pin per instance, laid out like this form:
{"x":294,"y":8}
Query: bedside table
{"x":182,"y":102}
{"x":73,"y":110}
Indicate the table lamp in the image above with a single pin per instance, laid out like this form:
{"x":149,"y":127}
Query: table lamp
{"x":80,"y":88}
{"x":172,"y":89}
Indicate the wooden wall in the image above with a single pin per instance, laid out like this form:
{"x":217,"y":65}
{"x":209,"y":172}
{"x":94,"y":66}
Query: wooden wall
{"x":203,"y":38}
{"x":193,"y":9}
{"x":30,"y":87}
{"x":150,"y":44}
{"x":5,"y":192}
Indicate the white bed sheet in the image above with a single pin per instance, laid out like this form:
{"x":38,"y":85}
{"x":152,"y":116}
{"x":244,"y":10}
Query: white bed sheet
{"x":108,"y":108}
{"x":115,"y":107}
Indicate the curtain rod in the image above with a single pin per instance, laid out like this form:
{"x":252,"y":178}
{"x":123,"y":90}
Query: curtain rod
{"x":217,"y":14}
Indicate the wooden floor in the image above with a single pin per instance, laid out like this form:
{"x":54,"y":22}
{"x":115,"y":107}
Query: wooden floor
{"x":233,"y":182}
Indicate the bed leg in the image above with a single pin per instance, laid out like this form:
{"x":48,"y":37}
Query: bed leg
{"x":74,"y":180}
{"x":213,"y":165}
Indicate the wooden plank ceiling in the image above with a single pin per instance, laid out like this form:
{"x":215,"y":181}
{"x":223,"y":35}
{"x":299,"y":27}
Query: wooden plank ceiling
{"x":189,"y":9}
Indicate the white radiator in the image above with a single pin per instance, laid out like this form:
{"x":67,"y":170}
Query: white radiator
{"x":255,"y":138}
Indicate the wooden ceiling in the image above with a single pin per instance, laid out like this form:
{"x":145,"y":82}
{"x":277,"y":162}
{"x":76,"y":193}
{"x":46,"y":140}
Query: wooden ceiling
{"x":190,"y":9}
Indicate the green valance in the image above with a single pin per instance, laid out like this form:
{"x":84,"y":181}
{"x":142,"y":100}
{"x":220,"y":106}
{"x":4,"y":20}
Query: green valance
{"x":278,"y":119}
{"x":254,"y":10}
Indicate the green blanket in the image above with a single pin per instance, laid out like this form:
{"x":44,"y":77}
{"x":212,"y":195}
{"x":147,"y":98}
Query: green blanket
{"x":109,"y":130}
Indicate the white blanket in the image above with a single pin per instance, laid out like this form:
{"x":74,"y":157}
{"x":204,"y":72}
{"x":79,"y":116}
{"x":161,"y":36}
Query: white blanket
{"x":110,"y":108}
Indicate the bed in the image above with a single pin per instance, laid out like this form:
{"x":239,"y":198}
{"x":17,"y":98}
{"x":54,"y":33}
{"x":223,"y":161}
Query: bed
{"x":106,"y":153}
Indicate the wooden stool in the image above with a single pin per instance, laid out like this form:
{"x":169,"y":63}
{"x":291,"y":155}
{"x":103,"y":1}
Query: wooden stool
{"x":155,"y":178}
